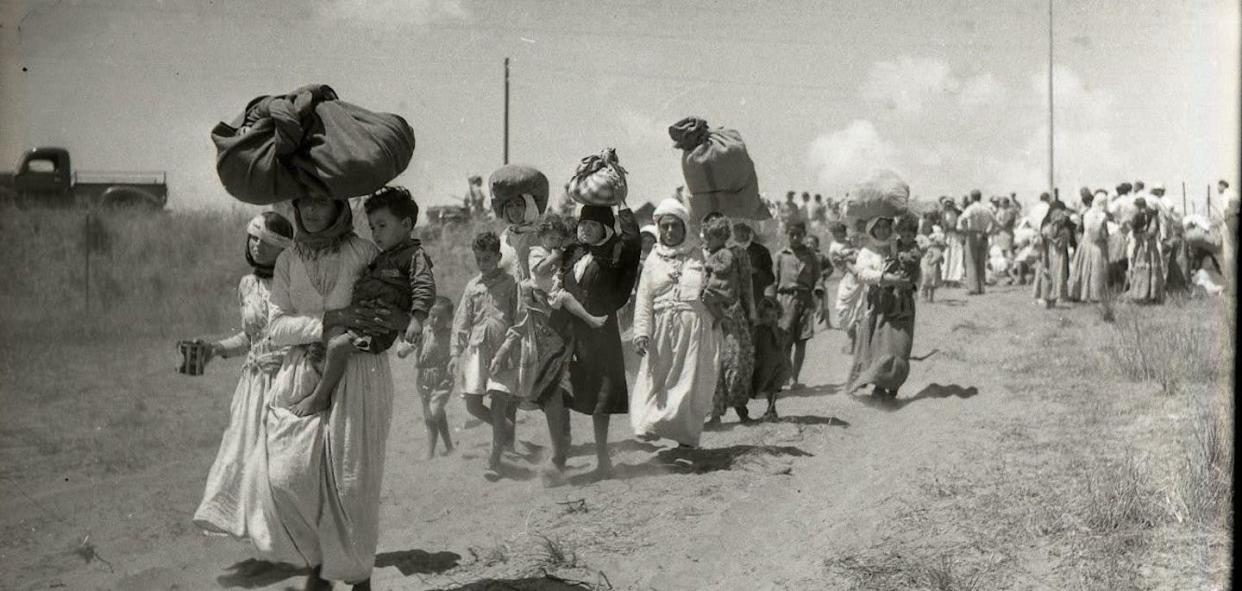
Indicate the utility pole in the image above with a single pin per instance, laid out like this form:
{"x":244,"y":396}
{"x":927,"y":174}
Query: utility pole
{"x":1051,"y":125}
{"x":506,"y":110}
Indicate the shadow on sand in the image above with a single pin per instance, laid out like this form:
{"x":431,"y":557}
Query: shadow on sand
{"x":686,"y":460}
{"x":411,"y":562}
{"x":931,"y":391}
{"x":807,"y":392}
{"x":536,"y":583}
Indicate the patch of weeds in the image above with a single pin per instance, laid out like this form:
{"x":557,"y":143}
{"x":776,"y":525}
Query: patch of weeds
{"x":892,"y":571}
{"x":1118,"y":498}
{"x":1107,"y":308}
{"x":1205,"y":485}
{"x":489,"y":556}
{"x":1170,"y":350}
{"x":554,"y":553}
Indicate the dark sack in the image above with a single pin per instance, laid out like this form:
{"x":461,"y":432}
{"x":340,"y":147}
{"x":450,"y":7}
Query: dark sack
{"x":511,"y":181}
{"x":719,"y":173}
{"x":309,"y":144}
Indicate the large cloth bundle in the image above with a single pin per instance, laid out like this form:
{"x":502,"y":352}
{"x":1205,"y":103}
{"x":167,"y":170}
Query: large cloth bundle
{"x":309,"y":144}
{"x":515,"y":181}
{"x":599,"y":180}
{"x":882,"y":194}
{"x":719,"y":173}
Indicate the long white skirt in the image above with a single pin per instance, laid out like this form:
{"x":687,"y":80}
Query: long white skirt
{"x":230,"y":506}
{"x":676,"y":380}
{"x":325,"y":471}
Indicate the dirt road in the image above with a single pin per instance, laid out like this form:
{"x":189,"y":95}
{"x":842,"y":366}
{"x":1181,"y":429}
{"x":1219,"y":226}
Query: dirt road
{"x":973,"y":479}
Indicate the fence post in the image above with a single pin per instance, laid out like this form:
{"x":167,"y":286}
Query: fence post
{"x":87,"y":259}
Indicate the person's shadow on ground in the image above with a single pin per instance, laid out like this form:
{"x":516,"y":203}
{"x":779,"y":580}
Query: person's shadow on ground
{"x":695,"y":460}
{"x":253,"y":574}
{"x":807,"y":392}
{"x":544,"y":582}
{"x":411,"y":562}
{"x":931,"y":391}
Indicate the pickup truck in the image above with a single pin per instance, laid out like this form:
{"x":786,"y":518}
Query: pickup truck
{"x":45,"y":178}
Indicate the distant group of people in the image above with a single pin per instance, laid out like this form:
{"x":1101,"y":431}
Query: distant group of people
{"x":815,"y":212}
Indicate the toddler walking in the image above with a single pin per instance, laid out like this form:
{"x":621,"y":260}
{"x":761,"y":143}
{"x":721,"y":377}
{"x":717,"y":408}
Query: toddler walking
{"x":771,"y":361}
{"x":435,"y":382}
{"x":933,"y":260}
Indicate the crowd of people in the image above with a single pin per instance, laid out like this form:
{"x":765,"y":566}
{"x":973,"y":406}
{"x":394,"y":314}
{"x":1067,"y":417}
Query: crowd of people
{"x":715,"y":318}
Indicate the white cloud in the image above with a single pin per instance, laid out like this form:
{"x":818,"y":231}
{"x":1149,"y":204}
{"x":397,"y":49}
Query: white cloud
{"x":908,"y":83}
{"x":392,"y":12}
{"x":841,"y":158}
{"x":640,"y":129}
{"x":981,"y":90}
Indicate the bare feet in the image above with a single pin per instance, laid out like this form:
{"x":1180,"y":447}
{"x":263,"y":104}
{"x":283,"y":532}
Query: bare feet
{"x":596,"y":321}
{"x":770,"y":415}
{"x":713,"y":424}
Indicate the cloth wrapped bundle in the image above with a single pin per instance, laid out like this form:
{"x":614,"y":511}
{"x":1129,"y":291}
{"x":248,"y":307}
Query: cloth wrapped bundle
{"x":881,"y":195}
{"x":599,"y":180}
{"x":512,"y":181}
{"x":309,"y":144}
{"x":720,"y":176}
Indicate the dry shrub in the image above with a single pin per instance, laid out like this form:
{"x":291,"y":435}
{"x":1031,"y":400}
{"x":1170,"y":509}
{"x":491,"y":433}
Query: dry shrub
{"x":1205,"y":486}
{"x":894,"y":571}
{"x":1170,"y":346}
{"x":1119,"y":498}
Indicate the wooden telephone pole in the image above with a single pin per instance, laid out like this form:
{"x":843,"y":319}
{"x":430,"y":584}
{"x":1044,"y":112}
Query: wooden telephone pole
{"x":506,"y":110}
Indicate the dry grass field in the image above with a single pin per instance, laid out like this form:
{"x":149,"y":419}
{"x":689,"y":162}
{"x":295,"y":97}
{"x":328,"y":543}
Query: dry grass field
{"x":1075,"y":448}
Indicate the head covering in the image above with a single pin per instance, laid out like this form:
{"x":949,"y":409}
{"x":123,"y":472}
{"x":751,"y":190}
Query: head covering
{"x":257,"y":228}
{"x":1157,"y":187}
{"x":601,"y":215}
{"x":649,"y":229}
{"x":676,"y":209}
{"x":312,"y":244}
{"x":876,"y":243}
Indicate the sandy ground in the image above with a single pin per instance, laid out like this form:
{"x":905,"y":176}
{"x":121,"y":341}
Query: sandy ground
{"x":959,"y":480}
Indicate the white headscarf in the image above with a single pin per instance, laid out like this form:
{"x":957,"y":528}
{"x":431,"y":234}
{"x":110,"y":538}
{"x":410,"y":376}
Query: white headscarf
{"x":678,"y":210}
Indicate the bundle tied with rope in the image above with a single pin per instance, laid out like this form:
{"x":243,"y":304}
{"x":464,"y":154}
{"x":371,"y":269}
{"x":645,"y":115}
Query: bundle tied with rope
{"x":308,"y":143}
{"x":599,"y":180}
{"x":720,"y":175}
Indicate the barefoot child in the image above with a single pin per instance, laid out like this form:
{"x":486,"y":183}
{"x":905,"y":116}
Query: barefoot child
{"x":771,"y":361}
{"x":797,"y":275}
{"x":544,"y":262}
{"x":400,"y":276}
{"x":488,"y":309}
{"x":435,"y":383}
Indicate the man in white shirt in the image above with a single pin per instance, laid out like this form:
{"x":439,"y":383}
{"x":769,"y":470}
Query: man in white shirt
{"x":975,"y":224}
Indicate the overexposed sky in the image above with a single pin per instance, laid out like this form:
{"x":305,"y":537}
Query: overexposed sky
{"x":952,"y":94}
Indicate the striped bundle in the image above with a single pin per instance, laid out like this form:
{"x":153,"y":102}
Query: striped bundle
{"x":599,"y":180}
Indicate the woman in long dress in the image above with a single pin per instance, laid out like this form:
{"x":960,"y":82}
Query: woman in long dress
{"x":1146,"y":260}
{"x":228,"y":506}
{"x":675,"y":335}
{"x":954,"y":271}
{"x":885,"y":332}
{"x":325,"y":458}
{"x":599,"y":270}
{"x":1052,"y":276}
{"x":1088,"y":280}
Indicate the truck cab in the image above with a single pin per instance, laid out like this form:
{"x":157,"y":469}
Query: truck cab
{"x":45,"y":178}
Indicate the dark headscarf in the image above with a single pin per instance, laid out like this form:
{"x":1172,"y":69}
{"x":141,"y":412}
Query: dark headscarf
{"x":311,"y":244}
{"x":602,"y":215}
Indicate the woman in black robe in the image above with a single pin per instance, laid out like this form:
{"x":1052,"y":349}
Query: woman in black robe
{"x":600,"y":270}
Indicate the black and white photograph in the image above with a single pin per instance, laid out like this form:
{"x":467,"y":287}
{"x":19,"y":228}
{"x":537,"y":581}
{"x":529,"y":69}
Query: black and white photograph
{"x":640,"y":295}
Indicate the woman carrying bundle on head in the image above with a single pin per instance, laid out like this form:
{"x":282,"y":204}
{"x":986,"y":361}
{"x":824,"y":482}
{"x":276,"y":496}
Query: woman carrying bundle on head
{"x":885,"y":332}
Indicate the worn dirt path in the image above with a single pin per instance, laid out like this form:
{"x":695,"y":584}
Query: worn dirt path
{"x":765,"y":506}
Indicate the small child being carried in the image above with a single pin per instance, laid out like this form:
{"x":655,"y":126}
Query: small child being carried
{"x":544,"y":262}
{"x":399,"y":277}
